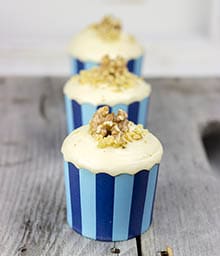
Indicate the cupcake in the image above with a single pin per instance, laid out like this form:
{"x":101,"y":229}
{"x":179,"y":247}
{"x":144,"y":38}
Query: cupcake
{"x":106,"y":37}
{"x":111,"y":170}
{"x":109,"y":84}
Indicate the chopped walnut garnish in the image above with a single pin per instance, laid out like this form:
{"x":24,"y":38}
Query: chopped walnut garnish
{"x":109,"y":28}
{"x":111,"y":72}
{"x":112,"y":130}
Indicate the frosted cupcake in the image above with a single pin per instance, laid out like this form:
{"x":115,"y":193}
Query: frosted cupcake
{"x":111,"y":170}
{"x":106,"y":37}
{"x":109,"y":84}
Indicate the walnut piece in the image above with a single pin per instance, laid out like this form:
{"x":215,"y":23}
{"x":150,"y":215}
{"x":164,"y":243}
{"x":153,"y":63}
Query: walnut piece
{"x":112,"y":72}
{"x":109,"y":28}
{"x":112,"y":130}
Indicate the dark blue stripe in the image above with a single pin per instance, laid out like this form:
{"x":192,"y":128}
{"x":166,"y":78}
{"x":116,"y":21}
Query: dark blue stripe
{"x":154,"y":194}
{"x":137,"y":206}
{"x":104,"y":206}
{"x":133,"y":110}
{"x":79,"y":65}
{"x":77,"y":114}
{"x":100,"y":106}
{"x":130,"y":65}
{"x":75,"y":197}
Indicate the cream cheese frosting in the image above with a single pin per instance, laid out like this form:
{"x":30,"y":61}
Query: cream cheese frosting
{"x":80,"y":148}
{"x":88,"y":46}
{"x":104,"y":94}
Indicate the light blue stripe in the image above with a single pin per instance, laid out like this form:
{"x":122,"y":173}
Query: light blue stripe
{"x":88,"y":203}
{"x":138,"y":65}
{"x":122,"y":206}
{"x":90,"y":64}
{"x":69,"y":114}
{"x":120,"y":106}
{"x":88,"y":111}
{"x":68,"y":200}
{"x":152,"y":178}
{"x":73,"y":66}
{"x":142,"y":113}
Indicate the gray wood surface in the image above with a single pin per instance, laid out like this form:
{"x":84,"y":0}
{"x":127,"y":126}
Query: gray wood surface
{"x":187,"y":210}
{"x":32,"y":201}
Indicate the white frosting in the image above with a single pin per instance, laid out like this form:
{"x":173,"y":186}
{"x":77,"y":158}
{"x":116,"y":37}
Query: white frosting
{"x":104,"y":94}
{"x":80,"y":148}
{"x":88,"y":46}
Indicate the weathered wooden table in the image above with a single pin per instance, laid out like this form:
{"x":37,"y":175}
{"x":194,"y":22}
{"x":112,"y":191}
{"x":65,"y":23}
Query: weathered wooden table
{"x":32,"y":201}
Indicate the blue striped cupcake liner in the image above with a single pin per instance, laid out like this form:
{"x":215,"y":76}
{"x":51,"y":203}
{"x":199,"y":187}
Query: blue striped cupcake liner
{"x":80,"y":114}
{"x":134,"y":65}
{"x":109,"y":208}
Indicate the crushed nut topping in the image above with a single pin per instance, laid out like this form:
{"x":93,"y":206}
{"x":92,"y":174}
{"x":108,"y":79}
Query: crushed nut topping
{"x":112,"y":72}
{"x":114,"y":130}
{"x":109,"y":28}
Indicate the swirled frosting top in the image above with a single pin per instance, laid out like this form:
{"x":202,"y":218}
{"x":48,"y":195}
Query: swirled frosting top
{"x":105,"y":37}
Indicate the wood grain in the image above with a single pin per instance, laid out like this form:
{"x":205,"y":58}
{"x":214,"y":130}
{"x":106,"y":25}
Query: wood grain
{"x":32,"y":200}
{"x":187,"y":210}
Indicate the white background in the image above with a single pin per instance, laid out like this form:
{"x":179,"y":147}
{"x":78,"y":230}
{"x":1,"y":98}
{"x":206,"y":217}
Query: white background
{"x":181,"y":37}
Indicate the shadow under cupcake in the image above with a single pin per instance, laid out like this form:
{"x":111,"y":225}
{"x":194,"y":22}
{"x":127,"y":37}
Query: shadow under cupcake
{"x":106,"y":37}
{"x":109,"y":84}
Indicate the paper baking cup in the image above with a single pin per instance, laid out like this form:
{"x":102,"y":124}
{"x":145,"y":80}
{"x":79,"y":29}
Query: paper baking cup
{"x":80,"y":114}
{"x":109,"y":208}
{"x":134,"y":65}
